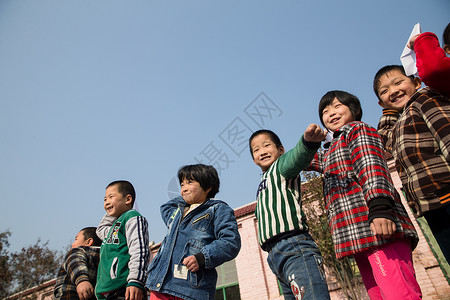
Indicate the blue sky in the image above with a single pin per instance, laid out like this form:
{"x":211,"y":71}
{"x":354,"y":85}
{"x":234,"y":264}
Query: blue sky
{"x":95,"y":91}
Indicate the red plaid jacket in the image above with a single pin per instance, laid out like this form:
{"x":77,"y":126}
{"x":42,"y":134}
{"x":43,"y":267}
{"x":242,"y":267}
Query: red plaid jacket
{"x":355,"y":173}
{"x":419,"y":140}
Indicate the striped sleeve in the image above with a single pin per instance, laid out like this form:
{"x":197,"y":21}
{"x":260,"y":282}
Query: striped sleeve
{"x":136,"y":230}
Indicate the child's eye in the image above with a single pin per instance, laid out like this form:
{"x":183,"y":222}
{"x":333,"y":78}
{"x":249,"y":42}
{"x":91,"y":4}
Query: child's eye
{"x":382,"y":92}
{"x":399,"y":82}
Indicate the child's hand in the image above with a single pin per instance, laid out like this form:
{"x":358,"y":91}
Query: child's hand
{"x":134,"y":293}
{"x":85,"y":290}
{"x":411,"y":42}
{"x":383,"y":227}
{"x":191,"y":263}
{"x":314,"y":134}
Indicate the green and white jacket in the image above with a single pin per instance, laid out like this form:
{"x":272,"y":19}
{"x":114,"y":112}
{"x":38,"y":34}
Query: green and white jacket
{"x":124,"y":253}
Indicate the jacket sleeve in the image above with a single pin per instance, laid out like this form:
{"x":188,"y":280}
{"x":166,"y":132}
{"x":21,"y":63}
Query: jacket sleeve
{"x":227,"y":244}
{"x":136,"y":230}
{"x":76,"y":265}
{"x":295,"y":160}
{"x":169,"y":208}
{"x":385,"y":126}
{"x":104,"y":226}
{"x":436,"y":114}
{"x":432,"y":63}
{"x":317,"y":163}
{"x":369,"y":164}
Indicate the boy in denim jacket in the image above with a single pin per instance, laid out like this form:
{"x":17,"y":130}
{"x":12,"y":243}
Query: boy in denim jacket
{"x":202,"y":234}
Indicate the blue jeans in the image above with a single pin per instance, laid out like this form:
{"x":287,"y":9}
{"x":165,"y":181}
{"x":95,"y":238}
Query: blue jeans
{"x":298,"y":265}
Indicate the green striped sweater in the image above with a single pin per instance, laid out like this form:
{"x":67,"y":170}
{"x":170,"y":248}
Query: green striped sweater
{"x":279,"y":205}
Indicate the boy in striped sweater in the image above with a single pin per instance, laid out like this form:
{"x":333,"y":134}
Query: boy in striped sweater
{"x":282,"y":230}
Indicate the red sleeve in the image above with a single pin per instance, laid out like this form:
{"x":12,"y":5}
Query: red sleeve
{"x":432,"y":63}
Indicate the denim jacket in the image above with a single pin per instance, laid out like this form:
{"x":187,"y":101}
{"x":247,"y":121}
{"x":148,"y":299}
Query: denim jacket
{"x":211,"y":229}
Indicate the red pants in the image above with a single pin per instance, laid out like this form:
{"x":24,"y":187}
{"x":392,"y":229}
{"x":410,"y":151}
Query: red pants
{"x":160,"y":296}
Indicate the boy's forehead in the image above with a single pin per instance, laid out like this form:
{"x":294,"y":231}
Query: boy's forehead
{"x":392,"y":75}
{"x":262,"y":137}
{"x":112,"y":189}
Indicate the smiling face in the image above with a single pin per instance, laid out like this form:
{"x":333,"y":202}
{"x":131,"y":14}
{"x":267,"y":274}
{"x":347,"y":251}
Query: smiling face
{"x":395,"y":89}
{"x":115,"y":203}
{"x":264,"y":151}
{"x":192,"y":192}
{"x":336,"y":115}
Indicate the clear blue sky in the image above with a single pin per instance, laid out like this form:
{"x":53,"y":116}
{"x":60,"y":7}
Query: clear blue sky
{"x":94,"y":91}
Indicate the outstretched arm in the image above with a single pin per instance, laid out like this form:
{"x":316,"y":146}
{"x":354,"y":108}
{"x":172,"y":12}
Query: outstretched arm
{"x":298,"y":158}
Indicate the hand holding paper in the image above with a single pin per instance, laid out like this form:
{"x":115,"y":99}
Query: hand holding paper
{"x":408,"y":57}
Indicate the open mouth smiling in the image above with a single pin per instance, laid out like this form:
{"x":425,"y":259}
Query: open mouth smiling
{"x":397,"y":98}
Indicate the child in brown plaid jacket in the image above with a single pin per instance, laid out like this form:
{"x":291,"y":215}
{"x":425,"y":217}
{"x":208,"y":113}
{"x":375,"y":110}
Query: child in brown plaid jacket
{"x":415,"y":128}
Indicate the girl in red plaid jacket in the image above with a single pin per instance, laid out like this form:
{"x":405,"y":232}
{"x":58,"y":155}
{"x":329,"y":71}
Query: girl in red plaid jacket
{"x":365,"y":213}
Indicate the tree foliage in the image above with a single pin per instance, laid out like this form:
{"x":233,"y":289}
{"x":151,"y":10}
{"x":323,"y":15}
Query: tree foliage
{"x":27,"y":267}
{"x":5,"y":273}
{"x":344,"y":270}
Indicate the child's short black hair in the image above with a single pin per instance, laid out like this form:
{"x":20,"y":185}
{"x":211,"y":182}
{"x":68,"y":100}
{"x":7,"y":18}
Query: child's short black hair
{"x":446,"y":35}
{"x":273,"y":137}
{"x":90,"y":233}
{"x":384,"y":70}
{"x":124,"y":187}
{"x":349,"y":100}
{"x":205,"y":175}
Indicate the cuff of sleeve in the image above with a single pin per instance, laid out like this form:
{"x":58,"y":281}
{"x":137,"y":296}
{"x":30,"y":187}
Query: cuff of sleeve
{"x":310,"y":145}
{"x":136,"y":284}
{"x":424,"y":35}
{"x":81,"y":278}
{"x":389,"y":112}
{"x":200,"y":260}
{"x":381,"y":208}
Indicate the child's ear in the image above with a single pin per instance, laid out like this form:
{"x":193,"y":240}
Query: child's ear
{"x":128,"y":199}
{"x":282,"y":149}
{"x":417,"y":83}
{"x":380,"y":103}
{"x":89,"y":242}
{"x":447,"y":49}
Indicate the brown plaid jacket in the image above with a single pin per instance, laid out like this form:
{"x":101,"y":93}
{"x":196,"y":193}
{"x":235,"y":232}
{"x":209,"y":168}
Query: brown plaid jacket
{"x":419,"y":140}
{"x":80,"y":264}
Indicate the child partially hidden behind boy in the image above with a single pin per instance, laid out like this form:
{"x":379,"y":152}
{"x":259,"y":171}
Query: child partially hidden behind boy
{"x":432,"y":63}
{"x":78,"y":274}
{"x":202,"y":234}
{"x":282,"y":230}
{"x":415,"y":129}
{"x":124,"y":253}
